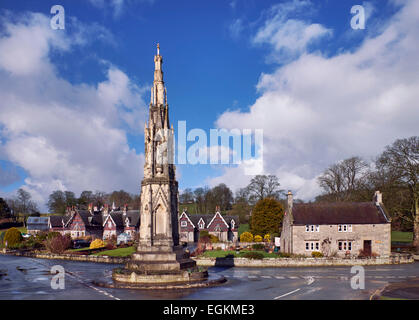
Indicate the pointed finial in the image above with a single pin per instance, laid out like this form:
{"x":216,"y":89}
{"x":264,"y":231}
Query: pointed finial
{"x":158,"y":49}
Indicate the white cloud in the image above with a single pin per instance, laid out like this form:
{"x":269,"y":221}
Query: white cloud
{"x":317,"y":110}
{"x":65,"y":136}
{"x":287,"y":35}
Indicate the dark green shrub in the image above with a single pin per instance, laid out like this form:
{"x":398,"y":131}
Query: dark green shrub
{"x":2,"y":238}
{"x":12,"y":237}
{"x":258,"y":246}
{"x":253,"y":255}
{"x":284,"y":255}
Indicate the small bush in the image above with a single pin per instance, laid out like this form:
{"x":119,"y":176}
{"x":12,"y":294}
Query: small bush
{"x":258,"y":238}
{"x":203,"y":233}
{"x":258,"y":246}
{"x":284,"y":255}
{"x":253,"y":255}
{"x":316,"y":254}
{"x":213,"y":239}
{"x":246,"y":237}
{"x":12,"y":237}
{"x":95,"y":244}
{"x":58,"y":244}
{"x":267,"y":238}
{"x":41,"y":236}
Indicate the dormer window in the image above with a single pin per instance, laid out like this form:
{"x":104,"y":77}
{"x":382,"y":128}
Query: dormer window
{"x":183,"y":224}
{"x":233,"y":223}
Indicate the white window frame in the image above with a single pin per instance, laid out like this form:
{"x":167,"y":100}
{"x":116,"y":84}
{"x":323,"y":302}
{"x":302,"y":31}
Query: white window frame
{"x":339,"y":228}
{"x":312,"y":246}
{"x":183,"y":224}
{"x":317,"y":228}
{"x":307,"y":228}
{"x":349,"y":228}
{"x":345,"y":246}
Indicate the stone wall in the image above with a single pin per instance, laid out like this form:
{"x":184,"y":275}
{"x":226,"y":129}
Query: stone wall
{"x":72,"y":257}
{"x":395,"y":258}
{"x":302,"y":262}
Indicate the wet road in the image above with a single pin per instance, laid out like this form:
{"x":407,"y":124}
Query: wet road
{"x":27,"y":278}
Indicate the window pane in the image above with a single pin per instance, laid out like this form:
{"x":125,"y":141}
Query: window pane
{"x":349,"y":245}
{"x":340,"y":245}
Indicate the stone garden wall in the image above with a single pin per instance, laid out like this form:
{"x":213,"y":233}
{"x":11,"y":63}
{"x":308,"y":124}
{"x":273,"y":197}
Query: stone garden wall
{"x":302,"y":262}
{"x":396,"y":258}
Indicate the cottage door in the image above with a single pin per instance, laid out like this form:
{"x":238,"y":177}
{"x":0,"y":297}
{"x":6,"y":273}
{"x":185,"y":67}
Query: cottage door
{"x":367,"y":247}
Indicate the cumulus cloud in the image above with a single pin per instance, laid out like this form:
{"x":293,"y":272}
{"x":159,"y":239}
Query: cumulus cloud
{"x":289,"y":36}
{"x":65,"y":136}
{"x":317,"y":110}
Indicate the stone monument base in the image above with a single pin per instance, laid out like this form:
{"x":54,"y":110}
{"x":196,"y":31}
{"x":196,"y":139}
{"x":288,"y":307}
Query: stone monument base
{"x":159,"y":267}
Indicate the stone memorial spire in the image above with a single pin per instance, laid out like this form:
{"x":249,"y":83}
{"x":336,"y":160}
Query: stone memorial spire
{"x":159,"y":188}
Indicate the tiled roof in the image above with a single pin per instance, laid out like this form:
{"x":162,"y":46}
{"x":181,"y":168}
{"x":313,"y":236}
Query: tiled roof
{"x":339,"y":213}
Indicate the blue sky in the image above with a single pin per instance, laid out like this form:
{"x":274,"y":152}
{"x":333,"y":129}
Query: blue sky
{"x":75,"y":100}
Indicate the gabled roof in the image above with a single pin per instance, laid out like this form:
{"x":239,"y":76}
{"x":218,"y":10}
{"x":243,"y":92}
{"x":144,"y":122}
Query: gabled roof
{"x":220,"y":215}
{"x":58,"y":221}
{"x":196,"y":217}
{"x":339,"y":213}
{"x":89,"y":220}
{"x":133,"y":217}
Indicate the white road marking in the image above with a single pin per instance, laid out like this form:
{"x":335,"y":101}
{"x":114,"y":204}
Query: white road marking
{"x":252,"y":277}
{"x":310,"y":280}
{"x":279,"y":277}
{"x":287,"y":294}
{"x":266,"y":277}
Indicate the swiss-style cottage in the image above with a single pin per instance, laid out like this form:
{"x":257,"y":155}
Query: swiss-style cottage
{"x":119,"y":222}
{"x":85,"y":223}
{"x":342,"y":229}
{"x":224,"y":227}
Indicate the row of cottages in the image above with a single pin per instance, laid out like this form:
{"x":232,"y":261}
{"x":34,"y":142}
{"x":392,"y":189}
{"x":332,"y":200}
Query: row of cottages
{"x":344,"y":229}
{"x":83,"y":223}
{"x":225,"y":227}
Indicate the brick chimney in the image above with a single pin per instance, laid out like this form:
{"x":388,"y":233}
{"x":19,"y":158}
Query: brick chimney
{"x":289,"y":201}
{"x":378,"y":198}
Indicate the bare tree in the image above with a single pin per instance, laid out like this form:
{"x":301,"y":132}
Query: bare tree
{"x":401,"y":160}
{"x":342,"y":180}
{"x":261,"y":187}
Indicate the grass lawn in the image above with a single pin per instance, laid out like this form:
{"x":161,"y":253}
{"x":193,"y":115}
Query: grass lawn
{"x":222,"y":254}
{"x":243,"y":228}
{"x":120,"y":252}
{"x":400,"y":236}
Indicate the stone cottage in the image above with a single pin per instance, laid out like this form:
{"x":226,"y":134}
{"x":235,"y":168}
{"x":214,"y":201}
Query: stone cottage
{"x":222,"y":226}
{"x":342,"y":228}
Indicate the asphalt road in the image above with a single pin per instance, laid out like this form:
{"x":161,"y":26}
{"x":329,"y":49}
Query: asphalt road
{"x":27,"y":278}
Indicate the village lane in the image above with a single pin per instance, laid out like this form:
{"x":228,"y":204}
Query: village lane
{"x":28,"y":278}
